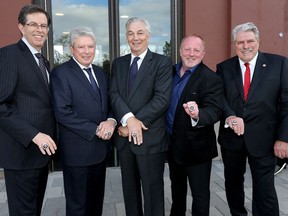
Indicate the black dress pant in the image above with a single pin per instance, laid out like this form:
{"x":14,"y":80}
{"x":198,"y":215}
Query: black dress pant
{"x":264,"y":197}
{"x":84,"y":189}
{"x":198,"y":176}
{"x":143,"y":172}
{"x":25,"y":191}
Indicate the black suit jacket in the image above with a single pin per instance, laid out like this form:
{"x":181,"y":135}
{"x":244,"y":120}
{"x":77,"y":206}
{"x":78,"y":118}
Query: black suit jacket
{"x":265,"y":113}
{"x":79,"y":111}
{"x":25,"y":109}
{"x":197,"y":144}
{"x":148,"y":100}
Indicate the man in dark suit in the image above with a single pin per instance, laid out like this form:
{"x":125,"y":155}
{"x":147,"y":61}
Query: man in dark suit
{"x":142,"y":141}
{"x":80,"y":96}
{"x":194,"y":108}
{"x":255,"y":120}
{"x":27,"y":123}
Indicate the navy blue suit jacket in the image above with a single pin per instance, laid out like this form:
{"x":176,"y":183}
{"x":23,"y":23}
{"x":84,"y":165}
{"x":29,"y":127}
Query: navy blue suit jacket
{"x":79,"y":111}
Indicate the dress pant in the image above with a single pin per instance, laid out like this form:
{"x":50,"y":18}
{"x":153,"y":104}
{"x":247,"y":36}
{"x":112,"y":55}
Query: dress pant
{"x":25,"y":191}
{"x":146,"y":171}
{"x":264,"y":197}
{"x":199,"y":181}
{"x":84,"y":189}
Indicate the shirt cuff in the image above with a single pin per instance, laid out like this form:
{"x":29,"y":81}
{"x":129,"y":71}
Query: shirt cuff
{"x":115,"y":122}
{"x":194,"y":122}
{"x":125,"y":118}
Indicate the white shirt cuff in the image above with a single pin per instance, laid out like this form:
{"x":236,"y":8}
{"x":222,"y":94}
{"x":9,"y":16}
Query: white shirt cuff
{"x":125,"y":118}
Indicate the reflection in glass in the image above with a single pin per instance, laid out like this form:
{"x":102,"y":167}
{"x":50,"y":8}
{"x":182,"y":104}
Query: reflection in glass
{"x":67,"y":14}
{"x":157,"y":13}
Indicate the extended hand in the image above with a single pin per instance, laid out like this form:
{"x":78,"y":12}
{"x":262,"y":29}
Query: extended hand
{"x":135,"y":127}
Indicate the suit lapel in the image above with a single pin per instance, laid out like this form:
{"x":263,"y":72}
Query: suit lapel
{"x":259,"y":73}
{"x":31,"y":61}
{"x":79,"y":74}
{"x":141,"y":73}
{"x":237,"y":76}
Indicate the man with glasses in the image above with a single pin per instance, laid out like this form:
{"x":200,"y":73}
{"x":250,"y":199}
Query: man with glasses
{"x":27,"y":123}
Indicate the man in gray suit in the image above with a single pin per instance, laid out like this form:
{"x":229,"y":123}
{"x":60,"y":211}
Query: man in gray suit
{"x":26,"y":118}
{"x":140,"y":106}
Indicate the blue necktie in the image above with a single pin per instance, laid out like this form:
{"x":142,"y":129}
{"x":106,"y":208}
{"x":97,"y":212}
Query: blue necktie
{"x":42,"y":69}
{"x":92,"y":80}
{"x":133,"y":72}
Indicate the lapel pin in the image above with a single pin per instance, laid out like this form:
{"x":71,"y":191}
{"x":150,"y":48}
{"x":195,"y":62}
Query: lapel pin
{"x":264,"y":65}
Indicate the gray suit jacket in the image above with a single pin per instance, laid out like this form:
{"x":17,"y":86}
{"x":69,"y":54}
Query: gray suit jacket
{"x":148,"y":100}
{"x":25,"y":109}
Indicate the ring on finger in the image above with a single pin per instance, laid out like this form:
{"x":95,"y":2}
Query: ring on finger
{"x":191,"y":108}
{"x":45,"y":145}
{"x":134,"y":134}
{"x":234,"y":122}
{"x":109,"y":133}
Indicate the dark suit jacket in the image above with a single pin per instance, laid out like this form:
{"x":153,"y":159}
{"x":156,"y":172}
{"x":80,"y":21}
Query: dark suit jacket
{"x":265,"y":112}
{"x":25,"y":109}
{"x":78,"y":112}
{"x":148,"y":99}
{"x":197,"y":144}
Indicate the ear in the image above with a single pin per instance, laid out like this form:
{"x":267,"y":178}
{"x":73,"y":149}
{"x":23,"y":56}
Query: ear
{"x":21,"y":28}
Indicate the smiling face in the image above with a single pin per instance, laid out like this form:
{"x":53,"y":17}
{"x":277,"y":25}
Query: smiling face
{"x":36,"y":36}
{"x":246,"y":45}
{"x":83,"y":50}
{"x":137,"y":37}
{"x":192,"y":51}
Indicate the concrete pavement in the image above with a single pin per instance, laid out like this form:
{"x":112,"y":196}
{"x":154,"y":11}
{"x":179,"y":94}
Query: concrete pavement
{"x":54,"y":203}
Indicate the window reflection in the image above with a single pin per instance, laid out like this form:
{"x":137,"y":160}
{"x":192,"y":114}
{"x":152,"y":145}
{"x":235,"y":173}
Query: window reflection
{"x":157,"y":13}
{"x":68,"y":14}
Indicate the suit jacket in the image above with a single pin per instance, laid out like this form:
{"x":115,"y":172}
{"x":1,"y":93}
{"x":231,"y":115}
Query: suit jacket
{"x":25,"y":108}
{"x":191,"y":145}
{"x":79,"y":111}
{"x":265,"y":113}
{"x":148,"y":99}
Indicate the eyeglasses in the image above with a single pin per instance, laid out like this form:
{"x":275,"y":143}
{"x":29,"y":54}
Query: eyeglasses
{"x":36,"y":26}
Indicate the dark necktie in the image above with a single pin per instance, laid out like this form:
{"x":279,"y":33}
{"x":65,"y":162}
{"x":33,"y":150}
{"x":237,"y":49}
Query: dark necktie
{"x":92,"y":80}
{"x":42,"y":68}
{"x":246,"y":81}
{"x":133,"y":72}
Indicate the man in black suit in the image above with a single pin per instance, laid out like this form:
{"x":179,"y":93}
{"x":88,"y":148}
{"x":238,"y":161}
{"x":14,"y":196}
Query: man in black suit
{"x":142,"y":140}
{"x":194,"y":108}
{"x":255,"y":120}
{"x":80,"y":96}
{"x":27,"y":123}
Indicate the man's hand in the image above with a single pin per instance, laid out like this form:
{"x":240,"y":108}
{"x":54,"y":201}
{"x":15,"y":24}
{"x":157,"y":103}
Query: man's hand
{"x":45,"y":143}
{"x":236,"y":124}
{"x":191,"y":108}
{"x":135,"y":130}
{"x":281,"y":149}
{"x":105,"y":129}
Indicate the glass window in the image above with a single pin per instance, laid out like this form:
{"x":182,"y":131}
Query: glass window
{"x":67,"y":14}
{"x":157,"y":13}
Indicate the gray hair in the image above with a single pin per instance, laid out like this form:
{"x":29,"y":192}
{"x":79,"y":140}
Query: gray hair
{"x":137,"y":19}
{"x":78,"y":32}
{"x":245,"y":27}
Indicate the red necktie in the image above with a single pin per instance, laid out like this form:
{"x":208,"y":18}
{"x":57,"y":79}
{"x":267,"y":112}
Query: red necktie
{"x":246,"y":81}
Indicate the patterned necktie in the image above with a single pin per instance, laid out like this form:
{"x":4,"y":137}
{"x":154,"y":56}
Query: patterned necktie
{"x":42,"y":68}
{"x":246,"y":81}
{"x":133,"y":72}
